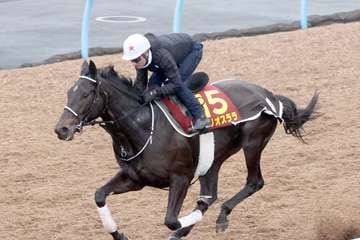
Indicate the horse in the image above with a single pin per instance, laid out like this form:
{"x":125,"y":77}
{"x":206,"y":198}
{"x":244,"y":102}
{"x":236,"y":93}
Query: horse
{"x":150,"y":152}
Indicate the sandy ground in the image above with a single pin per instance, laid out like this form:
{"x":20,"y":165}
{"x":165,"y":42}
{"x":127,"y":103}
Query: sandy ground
{"x":311,"y":192}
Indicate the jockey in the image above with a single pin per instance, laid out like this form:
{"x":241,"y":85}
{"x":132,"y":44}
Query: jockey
{"x":172,"y":58}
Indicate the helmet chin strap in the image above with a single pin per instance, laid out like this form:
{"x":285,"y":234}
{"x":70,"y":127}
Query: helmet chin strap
{"x":149,"y":59}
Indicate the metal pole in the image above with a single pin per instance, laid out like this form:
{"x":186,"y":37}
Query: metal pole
{"x":177,"y":16}
{"x":304,"y":10}
{"x":85,"y":29}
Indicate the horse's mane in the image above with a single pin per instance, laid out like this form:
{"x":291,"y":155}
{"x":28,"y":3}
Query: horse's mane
{"x":133,"y":88}
{"x":112,"y":75}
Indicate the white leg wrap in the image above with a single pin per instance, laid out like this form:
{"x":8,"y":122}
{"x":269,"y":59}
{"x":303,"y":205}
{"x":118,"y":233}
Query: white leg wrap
{"x":107,"y":220}
{"x":191,"y":219}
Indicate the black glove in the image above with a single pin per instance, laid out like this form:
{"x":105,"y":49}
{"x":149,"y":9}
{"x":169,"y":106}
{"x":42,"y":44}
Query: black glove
{"x":153,"y":94}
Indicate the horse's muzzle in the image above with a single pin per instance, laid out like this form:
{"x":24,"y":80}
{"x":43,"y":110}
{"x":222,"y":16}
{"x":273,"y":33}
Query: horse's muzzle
{"x":64,"y":133}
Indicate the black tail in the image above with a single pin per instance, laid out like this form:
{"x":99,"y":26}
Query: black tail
{"x":295,"y":118}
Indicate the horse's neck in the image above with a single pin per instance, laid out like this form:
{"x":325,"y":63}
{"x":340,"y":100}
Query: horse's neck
{"x":120,"y":140}
{"x":135,"y":127}
{"x":130,"y":134}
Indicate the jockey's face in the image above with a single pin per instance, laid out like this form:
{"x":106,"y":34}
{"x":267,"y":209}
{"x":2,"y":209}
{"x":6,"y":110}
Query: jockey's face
{"x":140,"y":61}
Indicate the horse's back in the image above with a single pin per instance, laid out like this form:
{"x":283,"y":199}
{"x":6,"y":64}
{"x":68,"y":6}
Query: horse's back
{"x":236,"y":89}
{"x":250,"y":99}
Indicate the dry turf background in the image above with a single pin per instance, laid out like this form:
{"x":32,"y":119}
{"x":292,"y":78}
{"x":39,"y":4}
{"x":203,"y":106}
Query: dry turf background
{"x":312,"y":191}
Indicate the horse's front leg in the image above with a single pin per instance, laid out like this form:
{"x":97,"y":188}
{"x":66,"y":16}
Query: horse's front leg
{"x":208,"y":195}
{"x":177,"y":193}
{"x":120,"y":183}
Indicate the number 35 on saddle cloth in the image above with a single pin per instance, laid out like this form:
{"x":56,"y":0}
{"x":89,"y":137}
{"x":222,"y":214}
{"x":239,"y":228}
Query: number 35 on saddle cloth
{"x":217,"y":106}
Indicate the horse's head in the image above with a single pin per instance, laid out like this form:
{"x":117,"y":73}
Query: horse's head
{"x":83,"y":103}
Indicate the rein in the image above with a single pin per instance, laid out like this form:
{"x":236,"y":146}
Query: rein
{"x":149,"y":140}
{"x":102,"y":123}
{"x":84,"y":122}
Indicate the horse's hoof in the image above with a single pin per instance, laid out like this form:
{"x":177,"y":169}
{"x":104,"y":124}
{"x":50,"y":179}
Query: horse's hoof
{"x":119,"y":236}
{"x":174,"y":238}
{"x":123,"y":237}
{"x":182,"y":232}
{"x":221,"y":227}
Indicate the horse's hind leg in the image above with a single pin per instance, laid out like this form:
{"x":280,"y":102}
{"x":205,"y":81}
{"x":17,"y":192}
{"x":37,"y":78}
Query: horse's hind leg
{"x":120,"y":183}
{"x":256,"y":136}
{"x":208,"y":195}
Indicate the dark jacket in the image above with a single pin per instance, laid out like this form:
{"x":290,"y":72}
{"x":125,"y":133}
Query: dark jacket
{"x":168,"y":51}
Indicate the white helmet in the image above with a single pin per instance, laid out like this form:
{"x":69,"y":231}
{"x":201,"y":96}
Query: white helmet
{"x":135,"y":45}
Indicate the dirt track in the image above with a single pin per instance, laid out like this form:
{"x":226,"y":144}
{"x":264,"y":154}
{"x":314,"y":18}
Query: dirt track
{"x":47,"y":186}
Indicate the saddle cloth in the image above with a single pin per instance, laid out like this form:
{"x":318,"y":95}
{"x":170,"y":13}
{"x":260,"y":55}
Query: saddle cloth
{"x":217,"y":106}
{"x":220,"y":109}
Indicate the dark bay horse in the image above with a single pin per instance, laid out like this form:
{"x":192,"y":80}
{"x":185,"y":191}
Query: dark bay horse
{"x":151,"y":153}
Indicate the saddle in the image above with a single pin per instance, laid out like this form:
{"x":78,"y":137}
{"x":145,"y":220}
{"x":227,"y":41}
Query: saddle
{"x":216,"y":105}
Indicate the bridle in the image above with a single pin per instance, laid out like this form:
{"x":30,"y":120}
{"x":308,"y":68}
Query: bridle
{"x":84,"y":122}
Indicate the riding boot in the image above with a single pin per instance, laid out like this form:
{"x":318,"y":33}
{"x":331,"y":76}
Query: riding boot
{"x":201,"y":124}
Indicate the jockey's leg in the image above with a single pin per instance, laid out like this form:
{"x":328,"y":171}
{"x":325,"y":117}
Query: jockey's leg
{"x":177,"y":193}
{"x":192,"y":60}
{"x":208,"y":195}
{"x":120,"y":183}
{"x":186,"y":68}
{"x":188,"y":99}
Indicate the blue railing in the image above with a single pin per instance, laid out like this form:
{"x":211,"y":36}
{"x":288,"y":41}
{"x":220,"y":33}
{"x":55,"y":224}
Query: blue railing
{"x":85,"y":29}
{"x":304,"y":12}
{"x":177,"y":16}
{"x":180,"y":6}
{"x":176,"y":24}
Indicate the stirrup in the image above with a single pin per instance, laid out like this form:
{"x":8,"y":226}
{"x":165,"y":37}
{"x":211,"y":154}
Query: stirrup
{"x":201,"y":130}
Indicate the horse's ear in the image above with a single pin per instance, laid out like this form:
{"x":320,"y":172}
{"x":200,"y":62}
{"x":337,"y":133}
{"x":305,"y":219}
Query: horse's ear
{"x":92,"y":68}
{"x":84,"y":68}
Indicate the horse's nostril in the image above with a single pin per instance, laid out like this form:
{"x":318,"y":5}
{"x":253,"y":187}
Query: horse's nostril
{"x":61,"y":132}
